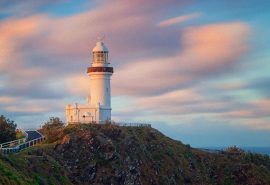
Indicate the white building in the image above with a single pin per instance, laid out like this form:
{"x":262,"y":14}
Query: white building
{"x":98,"y":106}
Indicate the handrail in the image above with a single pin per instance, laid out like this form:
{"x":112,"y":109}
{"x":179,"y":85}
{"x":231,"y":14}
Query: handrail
{"x":132,"y":124}
{"x":117,"y":124}
{"x":19,"y":144}
{"x":22,"y":146}
{"x":17,"y":141}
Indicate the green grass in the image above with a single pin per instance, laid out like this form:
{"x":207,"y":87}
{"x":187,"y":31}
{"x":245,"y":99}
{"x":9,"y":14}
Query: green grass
{"x":27,"y":168}
{"x":10,"y":175}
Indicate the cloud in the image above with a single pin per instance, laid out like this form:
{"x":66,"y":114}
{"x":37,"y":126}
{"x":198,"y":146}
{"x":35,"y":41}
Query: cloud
{"x":259,"y":124}
{"x":196,"y":102}
{"x":214,"y":47}
{"x":175,"y":98}
{"x":11,"y":39}
{"x":19,"y":78}
{"x":44,"y":48}
{"x":207,"y":51}
{"x":7,"y":99}
{"x":43,"y":58}
{"x":262,"y":85}
{"x":231,"y":86}
{"x":20,"y":8}
{"x":128,"y":23}
{"x":59,"y":46}
{"x":78,"y":84}
{"x":179,"y":19}
{"x":259,"y":86}
{"x":185,"y":102}
{"x":26,"y":109}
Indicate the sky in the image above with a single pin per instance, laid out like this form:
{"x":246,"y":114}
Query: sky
{"x":198,"y":71}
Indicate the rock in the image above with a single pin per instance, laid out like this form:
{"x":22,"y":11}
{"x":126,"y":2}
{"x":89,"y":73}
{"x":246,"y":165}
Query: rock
{"x":131,"y":168}
{"x":138,"y":157}
{"x":92,"y":176}
{"x":109,"y":156}
{"x":65,"y":140}
{"x":39,"y":152}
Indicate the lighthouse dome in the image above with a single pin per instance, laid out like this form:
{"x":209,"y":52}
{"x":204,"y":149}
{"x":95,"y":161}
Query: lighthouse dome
{"x":100,"y":46}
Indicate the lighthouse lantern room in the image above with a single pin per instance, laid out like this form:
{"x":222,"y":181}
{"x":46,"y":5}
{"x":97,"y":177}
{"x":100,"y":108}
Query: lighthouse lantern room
{"x":98,"y":106}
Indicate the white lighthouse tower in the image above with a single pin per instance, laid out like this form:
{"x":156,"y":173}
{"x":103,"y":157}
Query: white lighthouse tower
{"x":98,"y":106}
{"x":100,"y":75}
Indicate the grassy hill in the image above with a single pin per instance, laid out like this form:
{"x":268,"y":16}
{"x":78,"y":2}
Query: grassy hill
{"x":106,"y":154}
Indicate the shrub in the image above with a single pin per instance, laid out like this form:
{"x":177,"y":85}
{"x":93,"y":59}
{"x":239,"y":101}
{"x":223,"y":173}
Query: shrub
{"x":234,"y":150}
{"x":19,"y":134}
{"x":53,"y":129}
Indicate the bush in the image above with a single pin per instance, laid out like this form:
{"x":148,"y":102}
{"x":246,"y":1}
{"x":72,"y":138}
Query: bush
{"x":53,"y":129}
{"x":7,"y":130}
{"x":19,"y":134}
{"x":234,"y":150}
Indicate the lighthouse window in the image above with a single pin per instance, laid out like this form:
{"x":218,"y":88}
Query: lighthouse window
{"x":100,"y":56}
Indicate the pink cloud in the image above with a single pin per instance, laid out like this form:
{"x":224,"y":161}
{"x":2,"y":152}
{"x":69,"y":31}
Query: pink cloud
{"x":214,"y":47}
{"x":258,"y":109}
{"x":125,"y":24}
{"x":206,"y":51}
{"x":230,"y":86}
{"x":12,"y":32}
{"x":131,"y":32}
{"x":203,"y":53}
{"x":259,"y":124}
{"x":7,"y":99}
{"x":78,"y":85}
{"x":175,"y":98}
{"x":30,"y":109}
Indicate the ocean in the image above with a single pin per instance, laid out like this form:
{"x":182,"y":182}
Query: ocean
{"x":260,"y":150}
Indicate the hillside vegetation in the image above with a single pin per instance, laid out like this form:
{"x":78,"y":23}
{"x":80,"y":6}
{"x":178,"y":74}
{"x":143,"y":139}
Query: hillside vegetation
{"x":107,"y":154}
{"x":7,"y":129}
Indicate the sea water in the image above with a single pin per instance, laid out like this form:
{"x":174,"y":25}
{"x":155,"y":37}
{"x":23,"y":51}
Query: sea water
{"x":260,"y":150}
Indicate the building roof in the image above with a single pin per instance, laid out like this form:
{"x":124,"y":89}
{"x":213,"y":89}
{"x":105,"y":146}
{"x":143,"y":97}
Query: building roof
{"x":100,"y":46}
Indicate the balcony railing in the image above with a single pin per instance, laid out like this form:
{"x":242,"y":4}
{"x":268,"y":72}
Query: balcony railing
{"x":99,"y":69}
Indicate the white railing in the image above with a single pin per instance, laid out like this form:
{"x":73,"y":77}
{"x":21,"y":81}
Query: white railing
{"x":132,"y":124}
{"x":22,"y":146}
{"x":25,"y":133}
{"x":12,"y":143}
{"x":123,"y":124}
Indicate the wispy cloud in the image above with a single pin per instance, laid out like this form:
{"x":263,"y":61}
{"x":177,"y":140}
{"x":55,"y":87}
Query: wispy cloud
{"x":207,"y":51}
{"x":179,"y":19}
{"x":7,"y":99}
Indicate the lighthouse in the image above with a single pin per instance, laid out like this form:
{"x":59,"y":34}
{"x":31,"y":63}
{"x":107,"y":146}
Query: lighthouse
{"x":97,"y":108}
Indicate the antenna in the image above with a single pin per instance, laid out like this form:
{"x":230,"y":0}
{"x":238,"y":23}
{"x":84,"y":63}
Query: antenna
{"x":101,"y":38}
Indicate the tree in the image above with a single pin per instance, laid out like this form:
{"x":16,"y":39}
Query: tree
{"x":7,"y":130}
{"x":53,"y":129}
